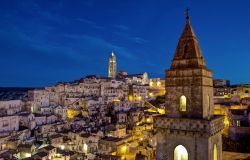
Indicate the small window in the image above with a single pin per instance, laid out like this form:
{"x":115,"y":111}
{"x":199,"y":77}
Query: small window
{"x":183,"y":104}
{"x":185,"y":48}
{"x":238,"y":123}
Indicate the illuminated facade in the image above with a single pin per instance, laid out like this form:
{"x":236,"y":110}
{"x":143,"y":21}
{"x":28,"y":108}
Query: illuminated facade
{"x":156,"y":87}
{"x":189,"y":130}
{"x":112,"y":66}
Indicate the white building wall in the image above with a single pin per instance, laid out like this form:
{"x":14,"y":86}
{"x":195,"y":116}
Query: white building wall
{"x":9,"y":123}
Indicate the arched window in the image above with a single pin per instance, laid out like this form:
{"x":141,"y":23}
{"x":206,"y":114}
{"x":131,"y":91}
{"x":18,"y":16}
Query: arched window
{"x":215,"y":152}
{"x":183,"y":103}
{"x":180,"y":153}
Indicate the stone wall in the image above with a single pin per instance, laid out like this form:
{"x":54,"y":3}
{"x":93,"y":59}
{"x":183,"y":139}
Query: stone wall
{"x":198,"y":146}
{"x":196,"y":85}
{"x":203,"y":126}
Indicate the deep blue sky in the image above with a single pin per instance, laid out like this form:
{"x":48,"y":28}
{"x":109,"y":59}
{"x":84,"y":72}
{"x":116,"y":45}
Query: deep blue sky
{"x":45,"y":41}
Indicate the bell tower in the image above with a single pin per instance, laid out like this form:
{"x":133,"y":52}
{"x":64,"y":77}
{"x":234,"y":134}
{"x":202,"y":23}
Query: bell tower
{"x":112,"y":66}
{"x":189,"y":130}
{"x":188,"y":81}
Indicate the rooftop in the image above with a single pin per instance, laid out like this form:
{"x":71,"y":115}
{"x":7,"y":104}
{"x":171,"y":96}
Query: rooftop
{"x":48,"y":148}
{"x":41,"y":154}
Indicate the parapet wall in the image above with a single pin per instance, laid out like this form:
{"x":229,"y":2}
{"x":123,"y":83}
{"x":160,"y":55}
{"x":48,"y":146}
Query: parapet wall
{"x":210,"y":127}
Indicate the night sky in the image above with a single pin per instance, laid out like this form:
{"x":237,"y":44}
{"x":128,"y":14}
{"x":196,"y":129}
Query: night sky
{"x":45,"y":41}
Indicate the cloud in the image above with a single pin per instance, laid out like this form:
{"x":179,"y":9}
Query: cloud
{"x":139,"y":40}
{"x":123,"y":31}
{"x":102,"y":44}
{"x":121,"y":27}
{"x":89,"y":22}
{"x":128,"y":37}
{"x":85,"y":21}
{"x":30,"y":51}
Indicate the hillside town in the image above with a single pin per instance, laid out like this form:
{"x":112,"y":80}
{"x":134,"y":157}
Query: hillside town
{"x":103,"y":117}
{"x":125,"y":116}
{"x":91,"y":118}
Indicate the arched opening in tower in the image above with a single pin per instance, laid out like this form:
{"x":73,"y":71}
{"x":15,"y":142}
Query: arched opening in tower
{"x":180,"y":153}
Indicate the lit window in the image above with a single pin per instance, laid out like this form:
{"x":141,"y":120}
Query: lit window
{"x":85,"y":147}
{"x":150,"y":84}
{"x":238,"y":123}
{"x":158,"y":83}
{"x":183,"y":103}
{"x":215,"y":152}
{"x":180,"y":153}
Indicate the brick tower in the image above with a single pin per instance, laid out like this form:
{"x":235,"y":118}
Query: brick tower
{"x":189,"y":130}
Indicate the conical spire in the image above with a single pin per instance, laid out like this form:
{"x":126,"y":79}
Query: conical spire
{"x":188,"y":30}
{"x":188,"y":53}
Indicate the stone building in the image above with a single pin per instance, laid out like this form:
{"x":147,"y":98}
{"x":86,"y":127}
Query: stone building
{"x":242,"y":90}
{"x":156,"y":87}
{"x":221,"y":83}
{"x":222,"y":88}
{"x":9,"y":124}
{"x":240,"y":123}
{"x":11,"y":107}
{"x":189,"y":130}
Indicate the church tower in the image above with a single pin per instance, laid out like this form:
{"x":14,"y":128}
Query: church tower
{"x":189,"y":130}
{"x":112,"y":66}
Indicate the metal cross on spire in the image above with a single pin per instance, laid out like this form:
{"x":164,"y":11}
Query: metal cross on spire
{"x":187,"y":13}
